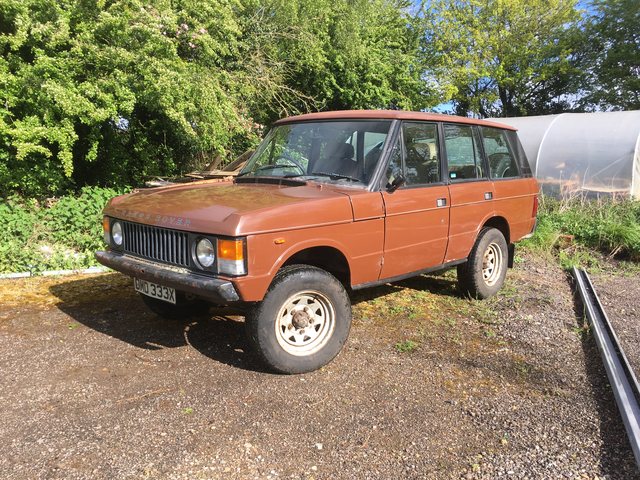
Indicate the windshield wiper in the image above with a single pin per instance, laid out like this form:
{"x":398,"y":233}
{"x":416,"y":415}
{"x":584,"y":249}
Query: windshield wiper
{"x":337,"y":176}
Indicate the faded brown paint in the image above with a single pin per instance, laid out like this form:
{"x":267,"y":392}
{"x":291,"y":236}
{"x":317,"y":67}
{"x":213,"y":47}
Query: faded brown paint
{"x":469,"y":211}
{"x":380,"y":234}
{"x":360,"y":242}
{"x":234,"y":209}
{"x":366,"y":205}
{"x":391,"y":115}
{"x":513,"y":200}
{"x":415,"y":230}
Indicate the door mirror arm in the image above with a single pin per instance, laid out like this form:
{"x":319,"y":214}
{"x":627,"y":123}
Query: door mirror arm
{"x":396,"y":183}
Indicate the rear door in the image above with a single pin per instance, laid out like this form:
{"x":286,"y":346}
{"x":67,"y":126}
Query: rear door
{"x":417,"y":214}
{"x":514,"y":190}
{"x":470,"y":189}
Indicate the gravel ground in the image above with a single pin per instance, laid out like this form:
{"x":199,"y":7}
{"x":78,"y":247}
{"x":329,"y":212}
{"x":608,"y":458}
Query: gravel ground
{"x":620,"y":297}
{"x":429,"y":386}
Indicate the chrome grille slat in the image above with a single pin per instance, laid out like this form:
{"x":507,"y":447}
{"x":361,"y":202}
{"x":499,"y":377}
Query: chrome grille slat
{"x":172,"y":246}
{"x":165,"y":247}
{"x":180,"y":250}
{"x":156,"y":243}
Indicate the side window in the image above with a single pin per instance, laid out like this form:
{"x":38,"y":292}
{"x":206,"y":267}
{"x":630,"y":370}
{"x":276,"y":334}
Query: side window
{"x":462,"y":153}
{"x":502,"y":163}
{"x":422,"y":162}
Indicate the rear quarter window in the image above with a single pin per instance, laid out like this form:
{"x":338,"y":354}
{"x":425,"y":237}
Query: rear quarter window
{"x":521,"y":157}
{"x":500,"y":156}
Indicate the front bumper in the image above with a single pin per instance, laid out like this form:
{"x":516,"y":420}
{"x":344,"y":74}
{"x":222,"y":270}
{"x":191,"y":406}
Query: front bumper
{"x":215,"y":290}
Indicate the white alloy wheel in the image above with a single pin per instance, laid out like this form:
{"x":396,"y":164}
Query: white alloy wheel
{"x":305,"y":323}
{"x":492,"y":264}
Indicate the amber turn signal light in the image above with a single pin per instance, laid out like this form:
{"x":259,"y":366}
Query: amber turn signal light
{"x":105,"y":230}
{"x":231,"y":257}
{"x":231,"y":249}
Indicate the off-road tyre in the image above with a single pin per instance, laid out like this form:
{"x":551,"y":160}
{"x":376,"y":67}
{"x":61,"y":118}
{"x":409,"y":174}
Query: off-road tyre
{"x":291,"y":338}
{"x":483,"y":274}
{"x":183,"y":309}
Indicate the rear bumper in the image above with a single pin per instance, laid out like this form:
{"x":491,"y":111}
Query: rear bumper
{"x":215,"y":290}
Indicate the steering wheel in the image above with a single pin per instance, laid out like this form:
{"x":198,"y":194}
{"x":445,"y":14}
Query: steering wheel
{"x":500,"y":163}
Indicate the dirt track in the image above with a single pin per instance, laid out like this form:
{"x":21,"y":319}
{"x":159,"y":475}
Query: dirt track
{"x":94,"y":386}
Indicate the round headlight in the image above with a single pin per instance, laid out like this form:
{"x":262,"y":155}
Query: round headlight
{"x":116,"y":233}
{"x":205,"y":253}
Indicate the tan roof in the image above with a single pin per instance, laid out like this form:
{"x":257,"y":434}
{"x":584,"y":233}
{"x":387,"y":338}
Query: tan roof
{"x":392,"y":115}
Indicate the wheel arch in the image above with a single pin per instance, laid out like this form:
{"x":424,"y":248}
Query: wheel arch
{"x":500,"y":223}
{"x":328,"y":258}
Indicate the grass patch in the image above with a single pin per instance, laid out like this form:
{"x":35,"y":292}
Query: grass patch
{"x":407,"y":346}
{"x":579,"y":231}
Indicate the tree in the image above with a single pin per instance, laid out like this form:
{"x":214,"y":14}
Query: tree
{"x":612,"y":58}
{"x":97,"y":92}
{"x":503,"y":57}
{"x":335,"y":54}
{"x":111,"y":91}
{"x":373,"y":57}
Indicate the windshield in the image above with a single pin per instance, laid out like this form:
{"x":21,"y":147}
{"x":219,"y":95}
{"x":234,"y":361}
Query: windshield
{"x":344,"y":152}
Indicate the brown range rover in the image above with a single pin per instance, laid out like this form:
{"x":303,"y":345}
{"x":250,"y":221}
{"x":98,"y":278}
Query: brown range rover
{"x":329,"y":202}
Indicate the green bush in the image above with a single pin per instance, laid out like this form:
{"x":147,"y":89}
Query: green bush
{"x":610,"y":226}
{"x":57,"y":234}
{"x":112,"y":92}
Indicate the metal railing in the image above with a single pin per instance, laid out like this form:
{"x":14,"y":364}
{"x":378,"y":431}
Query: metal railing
{"x":621,"y":377}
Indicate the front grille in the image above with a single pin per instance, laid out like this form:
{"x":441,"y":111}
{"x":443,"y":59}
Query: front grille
{"x":154,"y":243}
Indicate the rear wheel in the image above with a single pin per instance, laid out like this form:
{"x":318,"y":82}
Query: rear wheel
{"x":185,"y":306}
{"x":302,"y":322}
{"x":484,"y":271}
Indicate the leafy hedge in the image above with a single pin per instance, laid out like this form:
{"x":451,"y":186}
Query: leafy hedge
{"x":55,"y":234}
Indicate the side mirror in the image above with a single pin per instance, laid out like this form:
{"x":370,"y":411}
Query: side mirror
{"x":396,"y":183}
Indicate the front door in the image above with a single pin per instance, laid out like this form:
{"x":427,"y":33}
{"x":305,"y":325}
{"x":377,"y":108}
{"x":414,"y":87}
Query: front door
{"x":416,"y":214}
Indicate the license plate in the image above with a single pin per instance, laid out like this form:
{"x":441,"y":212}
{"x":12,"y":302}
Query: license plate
{"x":154,"y":290}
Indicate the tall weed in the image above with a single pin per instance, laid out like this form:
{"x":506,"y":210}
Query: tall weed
{"x":611,"y":226}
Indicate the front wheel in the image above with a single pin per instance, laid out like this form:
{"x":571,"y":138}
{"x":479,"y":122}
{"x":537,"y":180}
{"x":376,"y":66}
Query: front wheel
{"x":302,"y":322}
{"x":486,"y":267}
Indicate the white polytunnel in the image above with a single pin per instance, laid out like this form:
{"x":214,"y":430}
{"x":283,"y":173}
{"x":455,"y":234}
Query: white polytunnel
{"x":583,"y":152}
